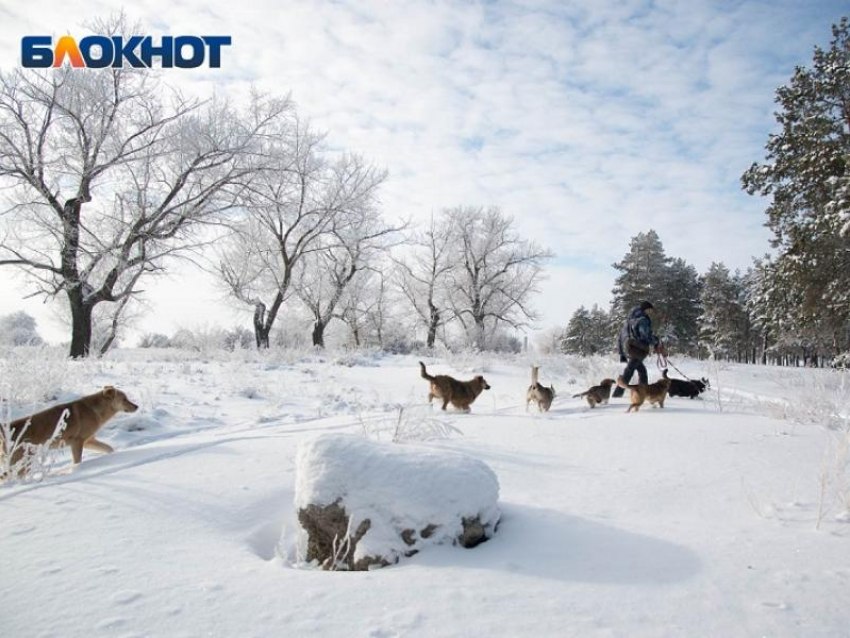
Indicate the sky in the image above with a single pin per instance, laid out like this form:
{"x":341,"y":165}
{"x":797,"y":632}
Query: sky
{"x":587,"y":122}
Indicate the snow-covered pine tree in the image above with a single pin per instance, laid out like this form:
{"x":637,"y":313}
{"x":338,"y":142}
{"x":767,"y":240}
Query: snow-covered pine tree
{"x":806,"y":174}
{"x":722,"y":316}
{"x":588,"y":332}
{"x":576,"y":336}
{"x":603,"y":338}
{"x":644,"y":274}
{"x":681,"y":303}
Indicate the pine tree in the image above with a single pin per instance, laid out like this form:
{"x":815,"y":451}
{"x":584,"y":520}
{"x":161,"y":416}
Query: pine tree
{"x":682,"y":306}
{"x":576,"y":337}
{"x":644,"y":275}
{"x":588,"y":332}
{"x":806,"y":174}
{"x":722,"y":315}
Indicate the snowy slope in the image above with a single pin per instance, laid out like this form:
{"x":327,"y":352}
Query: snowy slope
{"x":697,"y":520}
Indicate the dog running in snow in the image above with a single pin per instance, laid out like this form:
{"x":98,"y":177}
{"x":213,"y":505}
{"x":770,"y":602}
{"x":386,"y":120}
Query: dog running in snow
{"x":655,"y":393}
{"x":598,"y":394}
{"x":461,"y":394}
{"x":85,"y":416}
{"x":692,"y":389}
{"x":539,"y":393}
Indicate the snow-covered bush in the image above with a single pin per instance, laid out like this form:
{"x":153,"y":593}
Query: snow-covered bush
{"x":821,"y":397}
{"x":362,"y":503}
{"x":33,"y":376}
{"x":154,"y":340}
{"x":21,"y":461}
{"x":408,"y":424}
{"x":19,"y":329}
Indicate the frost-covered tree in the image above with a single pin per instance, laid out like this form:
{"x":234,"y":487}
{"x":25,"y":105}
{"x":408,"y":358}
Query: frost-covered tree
{"x":424,"y":274}
{"x":357,"y":243}
{"x":806,"y":175}
{"x":19,"y":329}
{"x":297,"y":196}
{"x":497,"y":272}
{"x":109,"y":173}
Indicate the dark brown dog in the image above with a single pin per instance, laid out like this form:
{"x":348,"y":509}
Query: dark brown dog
{"x":655,"y":393}
{"x":85,"y":417}
{"x":598,"y":394}
{"x":461,"y":394}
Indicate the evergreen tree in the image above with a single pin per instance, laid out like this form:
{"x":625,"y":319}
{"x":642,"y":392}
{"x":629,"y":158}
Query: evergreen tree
{"x":681,"y":302}
{"x":576,"y":337}
{"x":722,"y":315}
{"x":588,"y":332}
{"x":806,"y":174}
{"x":603,"y":338}
{"x":644,"y":274}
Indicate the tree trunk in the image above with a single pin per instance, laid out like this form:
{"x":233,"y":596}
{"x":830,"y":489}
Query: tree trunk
{"x":479,"y":333}
{"x":81,"y":325}
{"x":432,"y":327}
{"x":319,"y":334}
{"x":261,"y":328}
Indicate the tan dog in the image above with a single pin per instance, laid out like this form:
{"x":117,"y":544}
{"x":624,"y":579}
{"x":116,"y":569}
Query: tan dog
{"x":539,"y":393}
{"x":598,"y":394}
{"x":461,"y":394}
{"x":653,"y":392}
{"x":85,"y":417}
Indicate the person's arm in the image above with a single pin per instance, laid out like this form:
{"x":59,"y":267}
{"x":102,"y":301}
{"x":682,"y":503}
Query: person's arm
{"x":644,"y":330}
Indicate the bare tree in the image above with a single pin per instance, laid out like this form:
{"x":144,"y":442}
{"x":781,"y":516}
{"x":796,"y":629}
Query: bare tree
{"x":110,"y":174}
{"x":358,"y":240}
{"x":423,"y":277}
{"x":497,"y":273}
{"x":296,"y":197}
{"x":365,"y":306}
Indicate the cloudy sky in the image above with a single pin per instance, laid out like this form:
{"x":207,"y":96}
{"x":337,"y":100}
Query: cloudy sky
{"x":587,"y":121}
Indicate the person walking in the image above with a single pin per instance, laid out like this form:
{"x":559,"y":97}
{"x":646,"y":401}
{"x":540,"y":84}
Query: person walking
{"x":635,"y":341}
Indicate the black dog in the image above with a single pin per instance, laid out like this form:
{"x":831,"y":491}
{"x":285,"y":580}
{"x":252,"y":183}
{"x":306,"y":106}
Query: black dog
{"x":680,"y":388}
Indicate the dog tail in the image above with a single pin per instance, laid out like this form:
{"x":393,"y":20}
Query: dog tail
{"x":576,"y":396}
{"x":664,"y":373}
{"x":534,"y":370}
{"x":425,"y":374}
{"x":622,"y":383}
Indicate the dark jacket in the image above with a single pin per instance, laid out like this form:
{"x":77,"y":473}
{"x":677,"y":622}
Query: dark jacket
{"x":637,"y":326}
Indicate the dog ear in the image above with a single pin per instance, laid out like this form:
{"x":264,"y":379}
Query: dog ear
{"x":109,"y":392}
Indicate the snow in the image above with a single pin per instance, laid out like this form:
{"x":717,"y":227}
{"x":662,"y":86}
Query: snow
{"x":699,"y":519}
{"x":396,"y":487}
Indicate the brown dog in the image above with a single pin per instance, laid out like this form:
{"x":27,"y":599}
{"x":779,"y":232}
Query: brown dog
{"x":461,"y":394}
{"x":540,"y":394}
{"x":85,"y":417}
{"x":653,"y":392}
{"x":598,"y":394}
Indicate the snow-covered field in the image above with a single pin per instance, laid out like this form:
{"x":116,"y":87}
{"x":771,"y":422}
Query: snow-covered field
{"x":698,"y":520}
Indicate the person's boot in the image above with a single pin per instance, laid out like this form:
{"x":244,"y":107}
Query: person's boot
{"x":618,"y":392}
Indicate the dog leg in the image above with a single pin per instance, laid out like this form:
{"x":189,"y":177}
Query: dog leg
{"x":100,"y":446}
{"x":445,"y":403}
{"x":77,"y":451}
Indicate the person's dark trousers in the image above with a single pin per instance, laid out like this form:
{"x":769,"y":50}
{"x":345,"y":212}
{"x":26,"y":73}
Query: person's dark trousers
{"x":633,"y":366}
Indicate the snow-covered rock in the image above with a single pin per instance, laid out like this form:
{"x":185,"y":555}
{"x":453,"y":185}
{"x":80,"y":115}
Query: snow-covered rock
{"x":363,"y":503}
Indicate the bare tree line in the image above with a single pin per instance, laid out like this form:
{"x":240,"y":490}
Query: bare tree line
{"x":112,"y":175}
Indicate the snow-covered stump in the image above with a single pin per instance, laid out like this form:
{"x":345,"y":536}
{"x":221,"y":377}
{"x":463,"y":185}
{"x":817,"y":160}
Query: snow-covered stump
{"x":362,"y":503}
